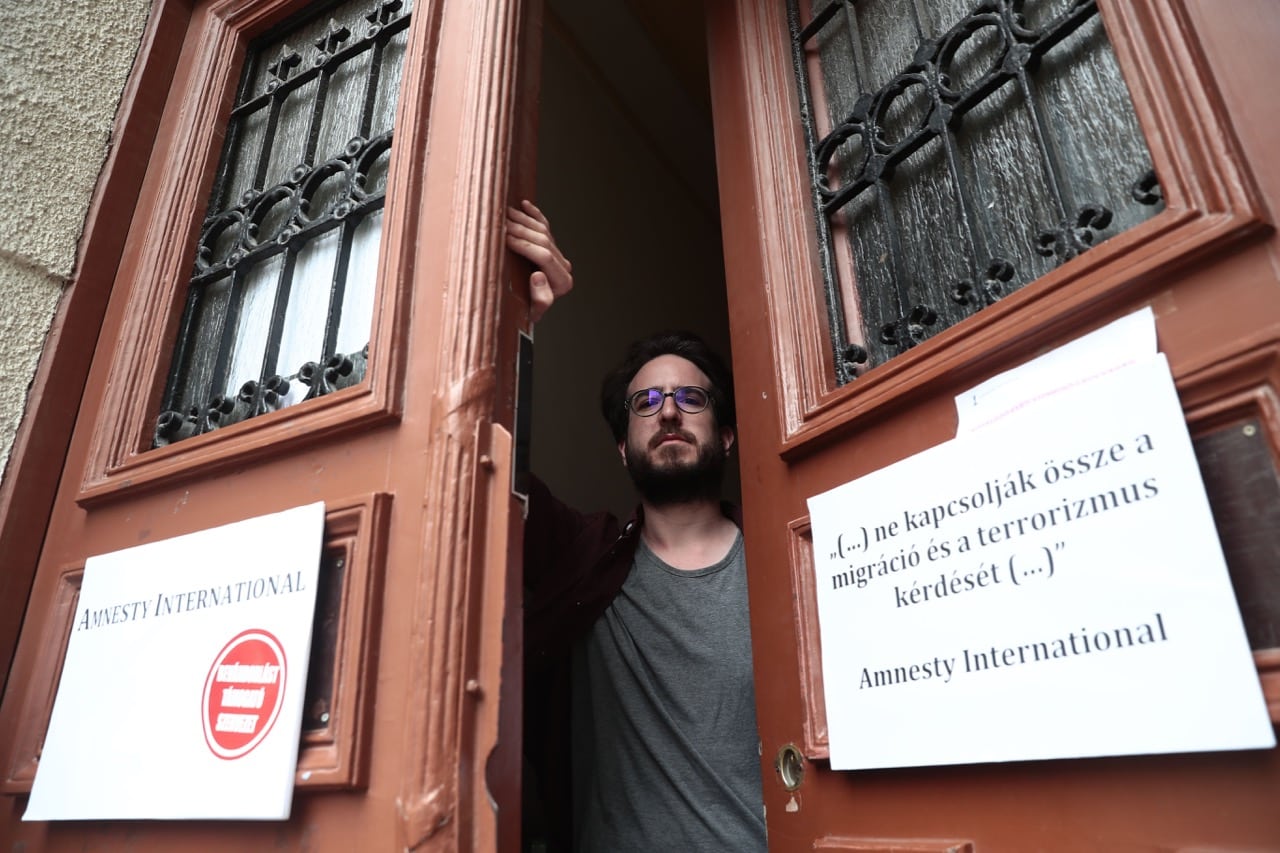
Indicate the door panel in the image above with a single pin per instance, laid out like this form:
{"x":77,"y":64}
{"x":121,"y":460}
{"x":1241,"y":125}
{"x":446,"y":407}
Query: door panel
{"x":413,"y":463}
{"x":1206,"y":266}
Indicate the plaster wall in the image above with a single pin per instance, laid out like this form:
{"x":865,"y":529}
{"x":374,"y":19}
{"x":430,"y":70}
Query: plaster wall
{"x":63,"y":68}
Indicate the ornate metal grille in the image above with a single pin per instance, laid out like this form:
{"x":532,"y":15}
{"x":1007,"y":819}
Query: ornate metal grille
{"x":286,"y":260}
{"x":958,"y":150}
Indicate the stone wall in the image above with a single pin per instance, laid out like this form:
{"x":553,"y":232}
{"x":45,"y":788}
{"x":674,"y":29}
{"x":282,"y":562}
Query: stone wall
{"x":63,"y":67}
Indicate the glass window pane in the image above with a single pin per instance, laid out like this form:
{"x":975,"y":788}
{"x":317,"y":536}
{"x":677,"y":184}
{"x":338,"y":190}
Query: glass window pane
{"x":303,"y":338}
{"x":388,"y":86}
{"x":344,"y":106}
{"x":287,"y":259}
{"x":960,"y":150}
{"x":211,"y":319}
{"x":357,"y":305}
{"x":289,"y":142}
{"x":253,"y":325}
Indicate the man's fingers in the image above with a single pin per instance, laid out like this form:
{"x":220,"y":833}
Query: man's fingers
{"x":520,"y":217}
{"x":529,"y":236}
{"x":541,"y":296}
{"x":529,"y":216}
{"x":532,"y":210}
{"x":525,"y":228}
{"x":559,"y":278}
{"x":535,"y":253}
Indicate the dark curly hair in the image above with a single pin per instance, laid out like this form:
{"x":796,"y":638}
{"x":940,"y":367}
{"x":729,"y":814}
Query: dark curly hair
{"x":613,"y":390}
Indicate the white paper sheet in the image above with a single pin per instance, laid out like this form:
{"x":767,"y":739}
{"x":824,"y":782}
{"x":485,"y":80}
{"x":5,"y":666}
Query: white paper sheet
{"x":1049,"y":587}
{"x":1126,"y":341}
{"x":181,"y":694}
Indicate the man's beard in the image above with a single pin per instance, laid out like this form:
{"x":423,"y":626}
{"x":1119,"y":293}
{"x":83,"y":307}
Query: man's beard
{"x":669,"y":482}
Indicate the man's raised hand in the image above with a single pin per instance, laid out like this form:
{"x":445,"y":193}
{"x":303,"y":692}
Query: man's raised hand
{"x":529,"y":236}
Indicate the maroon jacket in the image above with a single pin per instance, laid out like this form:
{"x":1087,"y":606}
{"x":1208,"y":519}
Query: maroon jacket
{"x":574,"y":565}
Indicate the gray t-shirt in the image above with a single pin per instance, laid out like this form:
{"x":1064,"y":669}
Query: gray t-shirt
{"x":666,"y":750}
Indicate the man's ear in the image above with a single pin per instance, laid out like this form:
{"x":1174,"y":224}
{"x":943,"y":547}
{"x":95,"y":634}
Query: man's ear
{"x":727,"y":437}
{"x":622,"y":451}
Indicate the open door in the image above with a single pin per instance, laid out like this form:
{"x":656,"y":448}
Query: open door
{"x":829,"y":392}
{"x":357,"y":157}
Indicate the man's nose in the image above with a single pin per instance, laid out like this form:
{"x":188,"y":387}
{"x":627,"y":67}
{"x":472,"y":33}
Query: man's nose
{"x":669,"y":411}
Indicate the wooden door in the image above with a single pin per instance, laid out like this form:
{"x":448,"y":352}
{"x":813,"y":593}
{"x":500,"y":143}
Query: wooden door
{"x":412,"y":728}
{"x":1205,"y":264}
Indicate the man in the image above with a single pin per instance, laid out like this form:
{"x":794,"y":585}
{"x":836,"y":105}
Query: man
{"x":651,"y":616}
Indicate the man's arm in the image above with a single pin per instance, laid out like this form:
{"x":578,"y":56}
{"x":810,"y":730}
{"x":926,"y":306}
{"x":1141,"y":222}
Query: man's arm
{"x":550,"y":525}
{"x":550,"y":530}
{"x":529,"y":236}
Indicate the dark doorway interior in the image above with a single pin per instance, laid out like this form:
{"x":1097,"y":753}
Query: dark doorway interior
{"x":626,"y":173}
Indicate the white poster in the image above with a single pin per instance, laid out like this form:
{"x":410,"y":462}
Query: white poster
{"x":1049,"y":587}
{"x":181,"y":695}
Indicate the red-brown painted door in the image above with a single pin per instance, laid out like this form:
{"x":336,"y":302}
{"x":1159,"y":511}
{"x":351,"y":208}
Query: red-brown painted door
{"x":1206,"y":265}
{"x":412,"y":738}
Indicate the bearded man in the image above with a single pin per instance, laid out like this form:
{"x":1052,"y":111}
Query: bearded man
{"x":647,"y":620}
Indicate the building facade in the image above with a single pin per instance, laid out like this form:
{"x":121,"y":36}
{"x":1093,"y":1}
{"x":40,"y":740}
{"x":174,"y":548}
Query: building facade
{"x":713,"y":179}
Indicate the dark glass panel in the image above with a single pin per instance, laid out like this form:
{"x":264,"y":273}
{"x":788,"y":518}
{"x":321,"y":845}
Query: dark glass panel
{"x":960,"y":150}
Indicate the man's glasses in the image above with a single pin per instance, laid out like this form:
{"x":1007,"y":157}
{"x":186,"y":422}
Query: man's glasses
{"x":690,"y":399}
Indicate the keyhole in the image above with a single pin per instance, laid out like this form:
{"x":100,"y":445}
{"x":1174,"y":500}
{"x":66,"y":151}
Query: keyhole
{"x":790,"y":764}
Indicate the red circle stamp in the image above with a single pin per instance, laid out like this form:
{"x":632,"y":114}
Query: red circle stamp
{"x":243,"y":693}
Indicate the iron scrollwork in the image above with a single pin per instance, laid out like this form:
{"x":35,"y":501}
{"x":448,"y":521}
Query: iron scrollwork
{"x":1075,"y":235}
{"x":258,"y":398}
{"x":269,"y":233}
{"x":910,"y":329}
{"x":994,"y":282}
{"x":312,"y":199}
{"x":924,"y":108}
{"x":1147,"y":190}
